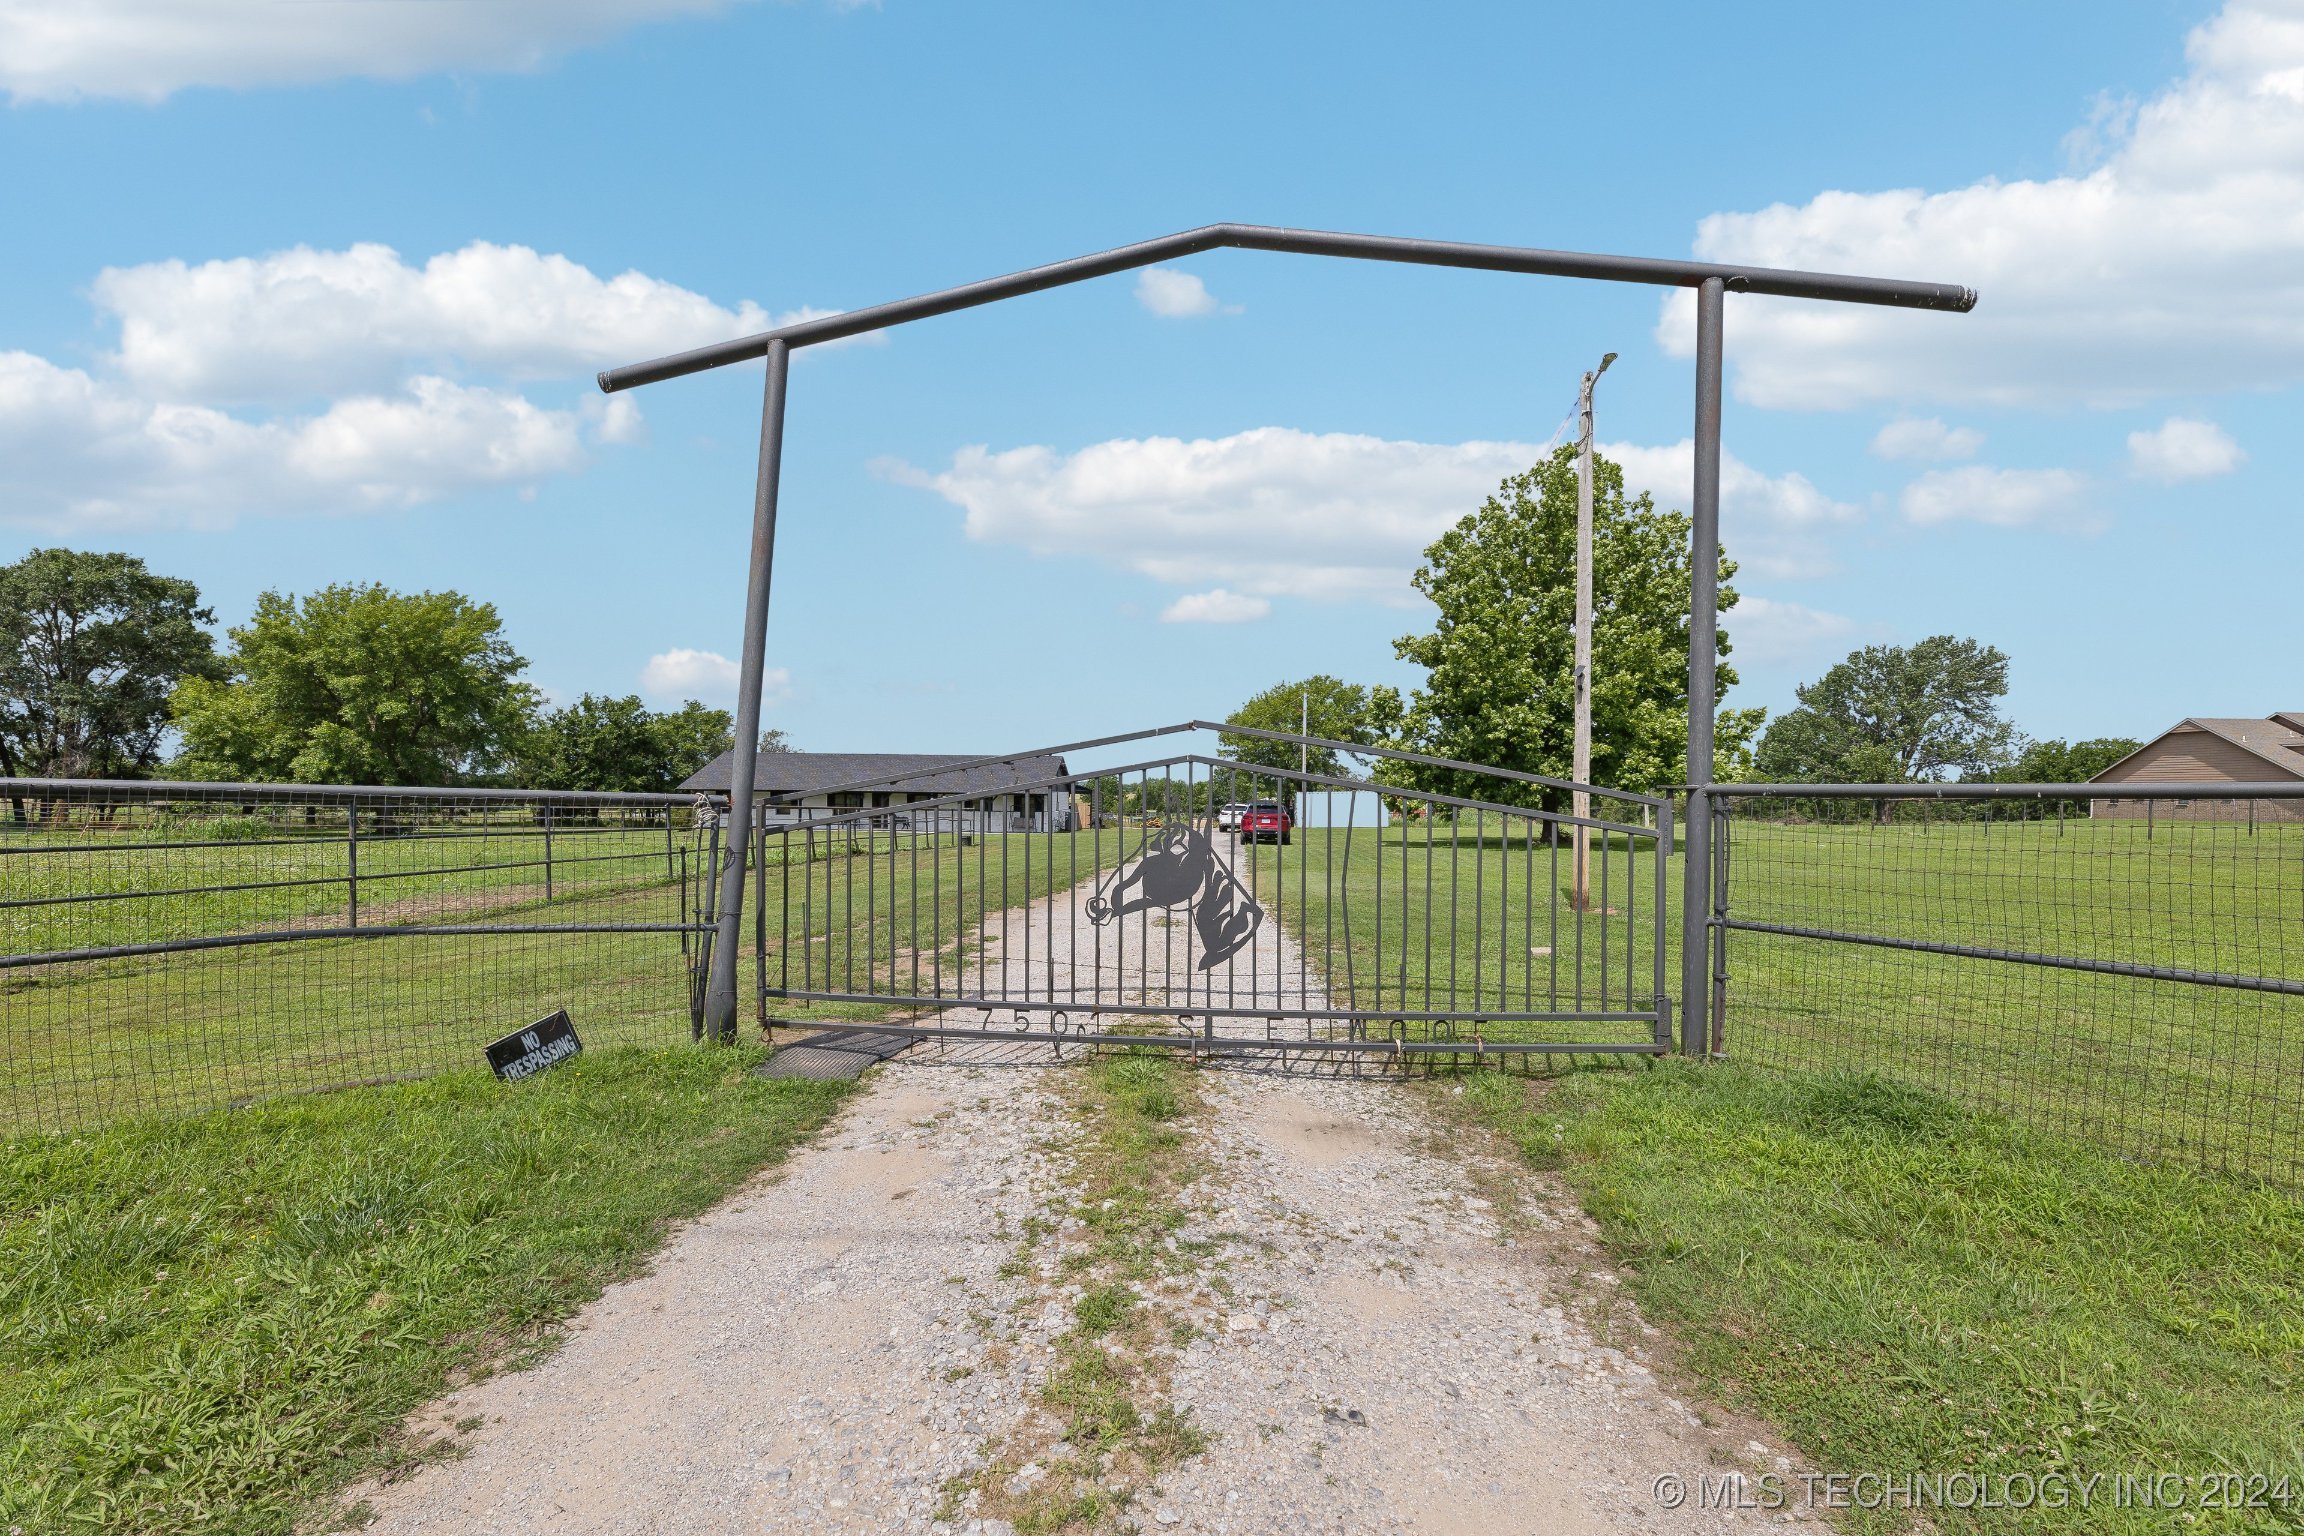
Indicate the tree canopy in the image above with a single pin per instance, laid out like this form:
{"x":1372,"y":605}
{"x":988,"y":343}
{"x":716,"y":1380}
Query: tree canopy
{"x":2061,"y":762}
{"x":1896,"y":714}
{"x":1500,"y":660}
{"x":357,"y":684}
{"x":1338,"y":710}
{"x":90,"y":647}
{"x":620,"y":744}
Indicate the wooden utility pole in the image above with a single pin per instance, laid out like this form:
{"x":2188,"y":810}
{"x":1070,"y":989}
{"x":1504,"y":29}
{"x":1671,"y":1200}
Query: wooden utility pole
{"x":1582,"y":771}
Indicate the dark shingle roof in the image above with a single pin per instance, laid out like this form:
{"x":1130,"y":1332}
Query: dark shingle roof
{"x":2271,"y":739}
{"x":808,"y":773}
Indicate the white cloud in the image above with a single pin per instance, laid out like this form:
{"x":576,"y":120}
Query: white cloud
{"x":1772,"y":525}
{"x":1767,"y":630}
{"x":1175,"y":295}
{"x":706,"y":676}
{"x":1215,"y":606}
{"x":1277,"y":512}
{"x":2001,"y":498}
{"x":1925,"y":437}
{"x":2176,"y":265}
{"x":295,"y":323}
{"x":1267,"y":512}
{"x":614,"y":419}
{"x":145,"y":50}
{"x":79,"y":450}
{"x":333,"y":380}
{"x":2183,"y":448}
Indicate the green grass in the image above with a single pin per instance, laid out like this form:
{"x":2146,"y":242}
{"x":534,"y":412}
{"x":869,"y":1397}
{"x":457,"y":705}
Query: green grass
{"x":1106,"y":1392}
{"x":2195,"y":1074}
{"x":480,"y":866}
{"x":83,"y":1042}
{"x":212,"y":1321}
{"x":2204,"y":1075}
{"x":920,"y":919}
{"x":1439,"y":918}
{"x":1904,"y":1285}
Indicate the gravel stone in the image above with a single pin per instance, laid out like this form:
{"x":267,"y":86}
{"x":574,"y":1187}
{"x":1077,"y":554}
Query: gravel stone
{"x":1373,"y":1346}
{"x":805,"y":1356}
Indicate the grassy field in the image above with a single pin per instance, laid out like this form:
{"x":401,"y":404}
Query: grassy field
{"x":182,"y":881}
{"x":1906,"y":1286}
{"x":2204,"y":1075}
{"x":2152,"y":1068}
{"x":211,"y":1321}
{"x":1461,"y":918}
{"x":81,"y":1042}
{"x":921,"y":918}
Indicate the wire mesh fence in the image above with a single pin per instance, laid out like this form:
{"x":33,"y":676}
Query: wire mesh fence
{"x":2117,"y":963}
{"x":170,"y":947}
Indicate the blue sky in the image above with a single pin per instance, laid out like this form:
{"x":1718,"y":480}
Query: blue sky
{"x":310,"y":294}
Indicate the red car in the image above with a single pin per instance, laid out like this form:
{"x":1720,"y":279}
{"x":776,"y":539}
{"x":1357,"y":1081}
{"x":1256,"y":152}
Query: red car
{"x":1265,"y":819}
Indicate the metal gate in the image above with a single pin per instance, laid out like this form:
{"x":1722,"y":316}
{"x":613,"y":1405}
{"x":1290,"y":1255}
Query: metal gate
{"x":1216,"y":904}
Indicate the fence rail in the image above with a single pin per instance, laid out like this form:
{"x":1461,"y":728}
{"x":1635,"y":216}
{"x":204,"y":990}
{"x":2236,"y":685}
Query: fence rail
{"x":175,"y":946}
{"x":1424,"y":923}
{"x":2120,"y":962}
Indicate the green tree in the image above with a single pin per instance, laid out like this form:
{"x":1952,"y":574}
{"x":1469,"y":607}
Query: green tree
{"x":1500,"y":661}
{"x":90,"y":647}
{"x":1896,"y":714}
{"x":620,"y":744}
{"x":2059,"y":762}
{"x":358,"y":684}
{"x":1339,"y":710}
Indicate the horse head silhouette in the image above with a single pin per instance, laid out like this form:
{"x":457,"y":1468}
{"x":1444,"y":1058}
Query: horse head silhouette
{"x":1178,"y":866}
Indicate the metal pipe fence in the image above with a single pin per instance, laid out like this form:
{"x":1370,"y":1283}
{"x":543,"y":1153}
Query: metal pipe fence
{"x":1327,"y":915}
{"x":168,"y":947}
{"x":2124,"y":963}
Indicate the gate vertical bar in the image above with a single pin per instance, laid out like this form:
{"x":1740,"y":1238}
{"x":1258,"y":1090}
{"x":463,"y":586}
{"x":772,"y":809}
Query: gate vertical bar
{"x":1662,"y":849}
{"x":760,"y":926}
{"x":1722,"y":835}
{"x":352,"y":863}
{"x":720,"y":994}
{"x":1703,"y":662}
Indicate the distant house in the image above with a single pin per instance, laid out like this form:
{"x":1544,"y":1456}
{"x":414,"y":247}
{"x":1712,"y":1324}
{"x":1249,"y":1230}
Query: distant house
{"x":1025,"y":794}
{"x":2214,"y":751}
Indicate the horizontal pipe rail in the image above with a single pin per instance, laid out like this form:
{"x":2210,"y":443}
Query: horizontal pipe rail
{"x":1301,"y":242}
{"x":1398,"y":755}
{"x":2292,"y":789}
{"x":330,"y":837}
{"x":1373,"y":1046}
{"x":1362,"y":749}
{"x":994,"y":1003}
{"x":302,"y":935}
{"x":1318,"y":781}
{"x":79,"y":898}
{"x":2025,"y":957}
{"x":141,"y":790}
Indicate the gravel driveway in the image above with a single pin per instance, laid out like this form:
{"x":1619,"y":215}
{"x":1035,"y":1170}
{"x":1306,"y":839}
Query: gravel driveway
{"x":1379,"y":1347}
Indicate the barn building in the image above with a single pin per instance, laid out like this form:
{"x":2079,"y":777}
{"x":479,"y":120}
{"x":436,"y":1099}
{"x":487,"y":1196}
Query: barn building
{"x":2214,"y":751}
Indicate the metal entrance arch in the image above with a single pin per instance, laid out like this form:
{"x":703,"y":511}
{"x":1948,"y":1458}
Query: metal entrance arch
{"x":1711,"y":281}
{"x":1194,"y":900}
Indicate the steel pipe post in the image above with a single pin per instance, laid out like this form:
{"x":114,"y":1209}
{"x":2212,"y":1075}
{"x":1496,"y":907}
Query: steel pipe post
{"x":720,"y":988}
{"x":1703,"y":674}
